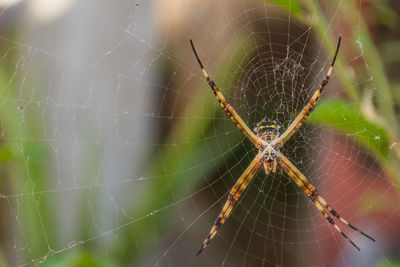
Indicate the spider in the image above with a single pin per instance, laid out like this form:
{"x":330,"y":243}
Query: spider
{"x":267,"y":140}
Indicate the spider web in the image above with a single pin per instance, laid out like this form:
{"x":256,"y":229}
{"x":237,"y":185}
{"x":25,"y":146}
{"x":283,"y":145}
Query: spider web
{"x":115,"y":151}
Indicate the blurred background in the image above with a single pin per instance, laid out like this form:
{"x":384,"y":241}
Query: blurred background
{"x":114,"y":151}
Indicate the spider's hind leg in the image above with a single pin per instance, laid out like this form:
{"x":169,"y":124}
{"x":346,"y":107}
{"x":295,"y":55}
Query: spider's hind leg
{"x":336,"y":214}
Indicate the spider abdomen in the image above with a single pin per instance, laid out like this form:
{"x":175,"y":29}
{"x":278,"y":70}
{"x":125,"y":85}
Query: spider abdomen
{"x":270,"y":161}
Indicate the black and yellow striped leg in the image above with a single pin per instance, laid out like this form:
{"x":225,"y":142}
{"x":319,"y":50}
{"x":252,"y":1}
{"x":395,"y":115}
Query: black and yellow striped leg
{"x":322,"y":201}
{"x":331,"y":221}
{"x":227,"y":108}
{"x":336,"y":214}
{"x":306,"y":111}
{"x":318,"y":201}
{"x":233,"y":197}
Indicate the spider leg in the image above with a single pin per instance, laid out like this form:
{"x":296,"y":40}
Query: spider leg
{"x":318,"y":201}
{"x":233,"y":197}
{"x":227,"y":108}
{"x":336,"y":214}
{"x":306,"y":111}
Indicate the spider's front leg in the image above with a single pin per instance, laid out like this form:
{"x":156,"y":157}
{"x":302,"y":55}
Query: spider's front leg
{"x":306,"y":111}
{"x":233,"y":197}
{"x":227,"y":108}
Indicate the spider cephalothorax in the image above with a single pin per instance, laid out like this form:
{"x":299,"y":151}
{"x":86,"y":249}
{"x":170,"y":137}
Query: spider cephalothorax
{"x":267,"y":130}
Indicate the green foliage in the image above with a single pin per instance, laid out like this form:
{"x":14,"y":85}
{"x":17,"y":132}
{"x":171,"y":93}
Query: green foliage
{"x":389,"y":263}
{"x":292,"y":6}
{"x":29,"y":161}
{"x":386,"y":16}
{"x":345,"y":118}
{"x":80,"y":258}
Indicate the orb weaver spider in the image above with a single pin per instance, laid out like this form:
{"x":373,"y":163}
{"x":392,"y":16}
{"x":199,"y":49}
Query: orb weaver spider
{"x":268,"y":142}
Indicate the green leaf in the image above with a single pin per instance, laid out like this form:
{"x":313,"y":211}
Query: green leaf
{"x":29,"y":160}
{"x":80,"y":258}
{"x":342,"y":117}
{"x":388,"y":263}
{"x":292,"y":6}
{"x":6,"y":153}
{"x":386,"y":16}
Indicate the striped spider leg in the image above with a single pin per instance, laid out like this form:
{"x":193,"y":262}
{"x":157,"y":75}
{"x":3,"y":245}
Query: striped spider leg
{"x":233,"y":197}
{"x":227,"y":108}
{"x":251,"y":170}
{"x":314,"y":196}
{"x":306,"y":111}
